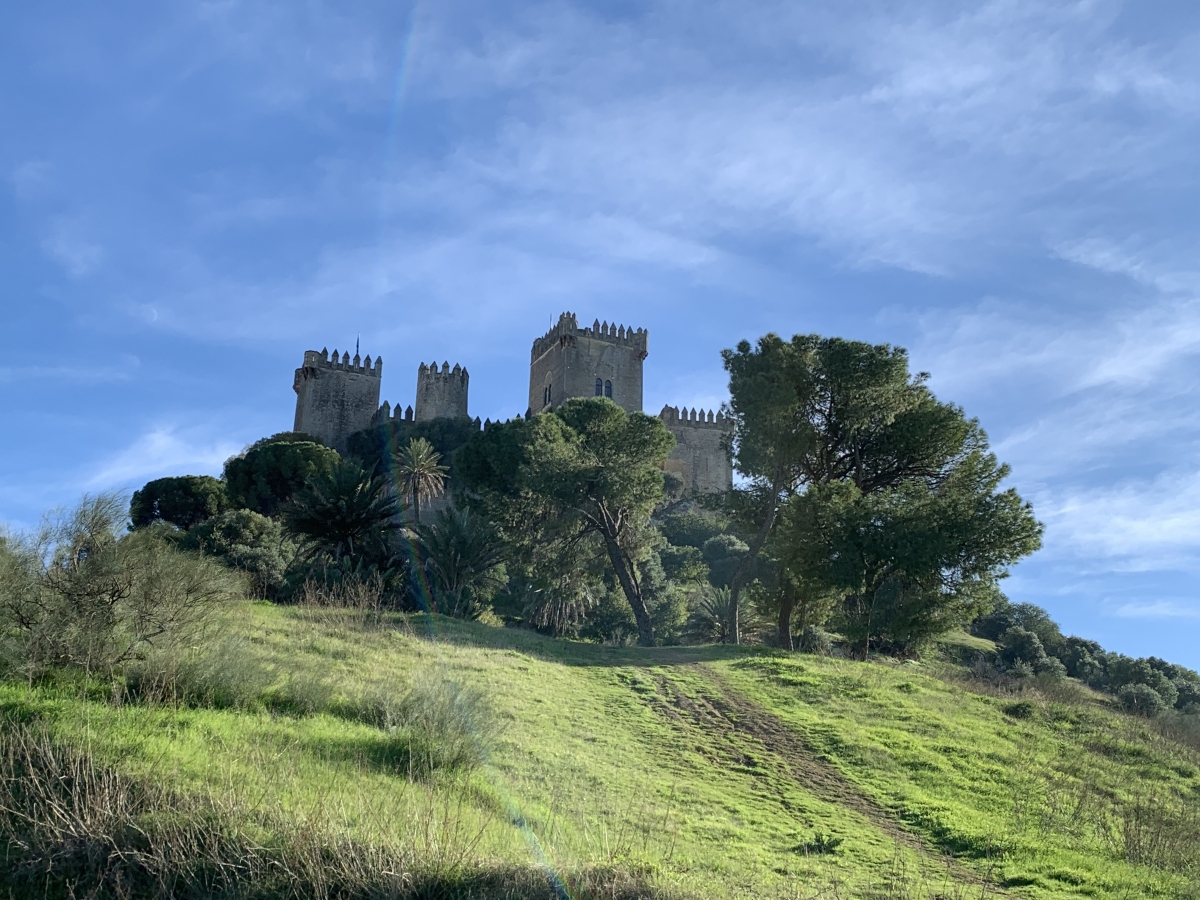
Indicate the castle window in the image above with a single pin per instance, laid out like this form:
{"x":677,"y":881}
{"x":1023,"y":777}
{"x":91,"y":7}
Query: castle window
{"x":608,"y":389}
{"x":599,"y":388}
{"x":549,"y":393}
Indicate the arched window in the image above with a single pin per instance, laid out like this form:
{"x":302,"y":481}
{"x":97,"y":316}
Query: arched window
{"x":599,"y":388}
{"x":608,"y":389}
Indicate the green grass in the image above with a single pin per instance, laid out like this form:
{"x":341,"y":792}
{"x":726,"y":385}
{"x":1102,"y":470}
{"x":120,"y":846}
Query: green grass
{"x":707,"y":771}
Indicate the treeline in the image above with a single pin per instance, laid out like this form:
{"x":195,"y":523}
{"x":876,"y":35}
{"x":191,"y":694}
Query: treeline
{"x":865,"y":507}
{"x":1030,"y":644}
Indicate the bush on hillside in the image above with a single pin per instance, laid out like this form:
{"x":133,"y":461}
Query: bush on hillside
{"x":1142,"y":700}
{"x":1023,"y":655}
{"x":273,"y":470}
{"x":814,"y":640}
{"x":346,"y":521}
{"x":690,"y":529}
{"x":183,"y":502}
{"x":80,"y":594}
{"x":249,"y":542}
{"x":1027,"y":616}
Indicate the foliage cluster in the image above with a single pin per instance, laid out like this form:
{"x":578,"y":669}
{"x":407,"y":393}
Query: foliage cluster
{"x":1030,"y":642}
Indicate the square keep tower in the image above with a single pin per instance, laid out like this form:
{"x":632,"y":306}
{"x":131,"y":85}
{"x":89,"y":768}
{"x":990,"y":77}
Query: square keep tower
{"x":601,"y":361}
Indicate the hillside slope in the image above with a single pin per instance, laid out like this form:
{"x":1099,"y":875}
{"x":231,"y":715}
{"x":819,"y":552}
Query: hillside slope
{"x":710,"y":771}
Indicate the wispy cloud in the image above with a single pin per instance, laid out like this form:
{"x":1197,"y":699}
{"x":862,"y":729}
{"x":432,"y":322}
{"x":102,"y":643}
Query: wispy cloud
{"x":126,"y":369}
{"x":1163,"y":609}
{"x":70,"y":245}
{"x":164,"y":450}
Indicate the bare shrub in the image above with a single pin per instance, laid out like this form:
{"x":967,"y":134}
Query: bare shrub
{"x":75,"y":828}
{"x":218,"y":675}
{"x":80,"y":594}
{"x":441,"y":724}
{"x":1154,"y":829}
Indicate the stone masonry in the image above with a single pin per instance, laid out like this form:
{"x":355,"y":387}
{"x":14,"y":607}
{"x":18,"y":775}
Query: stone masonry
{"x":336,"y":397}
{"x":601,"y":361}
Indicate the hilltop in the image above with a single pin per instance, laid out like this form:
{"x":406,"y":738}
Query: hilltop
{"x":312,"y":751}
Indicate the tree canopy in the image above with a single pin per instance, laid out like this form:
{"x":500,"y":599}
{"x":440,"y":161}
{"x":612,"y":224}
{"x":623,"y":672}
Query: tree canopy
{"x":891,"y":494}
{"x":274,"y":469}
{"x":587,"y":471}
{"x":184,"y":501}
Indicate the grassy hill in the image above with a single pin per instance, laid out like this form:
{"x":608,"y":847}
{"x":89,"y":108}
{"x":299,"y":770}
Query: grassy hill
{"x":325,"y":752}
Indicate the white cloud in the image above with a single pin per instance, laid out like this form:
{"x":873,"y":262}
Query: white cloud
{"x":1162,"y":609}
{"x":1131,"y":525}
{"x":164,"y":450}
{"x":69,"y":245}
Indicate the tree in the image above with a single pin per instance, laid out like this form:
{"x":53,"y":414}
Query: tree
{"x":771,"y":388}
{"x":271,"y":471}
{"x":1029,"y":616}
{"x":347,"y":513}
{"x":842,"y":423}
{"x":183,"y":501}
{"x":585,"y":472}
{"x":916,"y":559}
{"x":421,"y":475}
{"x":463,"y":556}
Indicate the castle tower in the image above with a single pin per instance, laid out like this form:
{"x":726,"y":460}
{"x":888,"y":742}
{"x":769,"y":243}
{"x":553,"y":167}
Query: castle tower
{"x":441,"y":394}
{"x":335,"y":397}
{"x":601,"y":361}
{"x":701,"y":453}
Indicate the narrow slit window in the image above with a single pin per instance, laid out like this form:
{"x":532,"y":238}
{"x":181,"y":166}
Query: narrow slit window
{"x":608,"y":389}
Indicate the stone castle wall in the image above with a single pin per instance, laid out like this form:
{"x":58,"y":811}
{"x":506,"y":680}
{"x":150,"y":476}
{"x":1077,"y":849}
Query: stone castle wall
{"x":604,"y":360}
{"x":700,"y":455}
{"x":335,"y":397}
{"x":441,"y":394}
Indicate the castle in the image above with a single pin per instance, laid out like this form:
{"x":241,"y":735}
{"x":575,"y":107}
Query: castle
{"x":336,"y":397}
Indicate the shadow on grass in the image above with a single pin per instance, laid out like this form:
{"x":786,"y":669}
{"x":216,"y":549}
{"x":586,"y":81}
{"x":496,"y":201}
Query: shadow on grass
{"x":442,"y":629}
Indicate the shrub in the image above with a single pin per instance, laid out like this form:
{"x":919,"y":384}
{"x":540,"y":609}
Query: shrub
{"x":80,"y":594}
{"x":815,"y":640}
{"x":219,"y":676}
{"x":723,"y":554}
{"x":1142,"y":700}
{"x":247,"y":541}
{"x":441,"y":724}
{"x":690,"y":529}
{"x":463,"y":556}
{"x":184,"y":501}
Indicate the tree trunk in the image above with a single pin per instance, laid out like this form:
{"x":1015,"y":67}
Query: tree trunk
{"x":633,"y":591}
{"x":787,"y":603}
{"x":746,"y":566}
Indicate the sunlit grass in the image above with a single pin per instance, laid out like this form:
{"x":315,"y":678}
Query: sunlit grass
{"x":716,"y":771}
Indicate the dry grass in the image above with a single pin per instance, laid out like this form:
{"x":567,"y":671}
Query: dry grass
{"x":73,"y":828}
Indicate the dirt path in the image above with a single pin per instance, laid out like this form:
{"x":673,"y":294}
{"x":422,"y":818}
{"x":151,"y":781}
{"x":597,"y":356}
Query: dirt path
{"x":726,"y":713}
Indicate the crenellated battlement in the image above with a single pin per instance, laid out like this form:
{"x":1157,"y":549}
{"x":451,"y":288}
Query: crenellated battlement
{"x":322,"y":360}
{"x":441,"y":393}
{"x":335,"y":395}
{"x":567,"y":330}
{"x":429,"y":372}
{"x":693,"y":418}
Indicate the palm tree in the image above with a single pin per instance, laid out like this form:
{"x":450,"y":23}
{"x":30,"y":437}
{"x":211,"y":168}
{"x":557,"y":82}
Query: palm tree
{"x":422,"y":477}
{"x":348,"y":512}
{"x":463,"y":554}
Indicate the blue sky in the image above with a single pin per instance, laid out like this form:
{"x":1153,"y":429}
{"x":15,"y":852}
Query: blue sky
{"x":192,"y":194}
